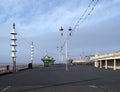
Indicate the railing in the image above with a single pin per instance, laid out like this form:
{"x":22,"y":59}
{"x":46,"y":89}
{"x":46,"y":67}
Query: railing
{"x":7,"y":68}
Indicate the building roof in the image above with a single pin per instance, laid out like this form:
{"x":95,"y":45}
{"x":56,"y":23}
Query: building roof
{"x":49,"y":58}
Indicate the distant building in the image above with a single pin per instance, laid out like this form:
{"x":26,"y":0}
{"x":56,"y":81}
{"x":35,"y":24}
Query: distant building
{"x":108,"y":60}
{"x":85,"y":60}
{"x":47,"y":60}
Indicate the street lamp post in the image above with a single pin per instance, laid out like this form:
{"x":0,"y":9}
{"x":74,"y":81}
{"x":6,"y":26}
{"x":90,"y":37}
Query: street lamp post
{"x":59,"y":49}
{"x":66,"y":36}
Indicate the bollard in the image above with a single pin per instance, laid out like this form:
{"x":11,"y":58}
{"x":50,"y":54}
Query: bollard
{"x":8,"y":68}
{"x":30,"y":66}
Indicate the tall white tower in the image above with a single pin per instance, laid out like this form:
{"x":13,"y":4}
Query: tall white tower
{"x":32,"y":52}
{"x":13,"y":45}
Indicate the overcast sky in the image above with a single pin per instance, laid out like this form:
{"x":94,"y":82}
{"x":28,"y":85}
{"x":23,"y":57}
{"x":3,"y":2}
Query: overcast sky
{"x":40,"y":20}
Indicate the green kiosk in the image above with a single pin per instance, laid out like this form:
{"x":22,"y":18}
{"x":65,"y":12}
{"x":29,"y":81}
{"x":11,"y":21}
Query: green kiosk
{"x":47,"y":60}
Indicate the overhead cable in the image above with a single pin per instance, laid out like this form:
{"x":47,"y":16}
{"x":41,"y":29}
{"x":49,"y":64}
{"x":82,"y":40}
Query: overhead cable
{"x":86,"y":13}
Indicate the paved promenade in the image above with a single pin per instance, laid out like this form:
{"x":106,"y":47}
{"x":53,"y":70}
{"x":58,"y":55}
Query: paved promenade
{"x":82,"y":78}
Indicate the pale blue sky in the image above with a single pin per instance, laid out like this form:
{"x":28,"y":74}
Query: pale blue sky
{"x":40,"y":20}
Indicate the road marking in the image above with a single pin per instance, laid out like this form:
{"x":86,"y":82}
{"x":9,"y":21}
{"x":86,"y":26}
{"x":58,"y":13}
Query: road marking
{"x":92,"y":86}
{"x":6,"y":88}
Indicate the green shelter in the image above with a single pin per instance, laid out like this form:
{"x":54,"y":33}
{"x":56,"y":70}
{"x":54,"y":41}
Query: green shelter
{"x":47,"y":60}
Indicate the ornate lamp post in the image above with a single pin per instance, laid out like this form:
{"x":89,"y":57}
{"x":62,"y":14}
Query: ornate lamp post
{"x":13,"y":45}
{"x":32,"y":52}
{"x":66,"y":36}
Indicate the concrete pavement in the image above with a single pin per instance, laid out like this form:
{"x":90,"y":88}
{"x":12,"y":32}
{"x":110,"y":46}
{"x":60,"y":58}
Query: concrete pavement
{"x":82,"y":78}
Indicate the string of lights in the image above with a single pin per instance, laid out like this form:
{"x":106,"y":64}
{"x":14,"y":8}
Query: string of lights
{"x":24,"y":39}
{"x":82,"y":15}
{"x":89,"y":13}
{"x":29,"y":43}
{"x":86,"y":13}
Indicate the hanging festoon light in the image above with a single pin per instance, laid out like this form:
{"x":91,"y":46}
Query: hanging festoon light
{"x":13,"y":45}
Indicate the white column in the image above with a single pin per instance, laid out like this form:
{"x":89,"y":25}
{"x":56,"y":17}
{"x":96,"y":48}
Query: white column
{"x":96,"y":63}
{"x":100,"y":63}
{"x":106,"y":64}
{"x":114,"y":64}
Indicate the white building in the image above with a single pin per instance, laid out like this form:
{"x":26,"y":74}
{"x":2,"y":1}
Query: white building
{"x":108,"y":60}
{"x":85,"y":60}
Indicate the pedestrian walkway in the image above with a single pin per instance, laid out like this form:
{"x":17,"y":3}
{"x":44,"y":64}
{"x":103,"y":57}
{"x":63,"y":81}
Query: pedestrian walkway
{"x":85,"y":78}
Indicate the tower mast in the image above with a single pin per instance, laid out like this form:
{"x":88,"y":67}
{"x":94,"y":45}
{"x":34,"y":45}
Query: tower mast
{"x":32,"y":52}
{"x":13,"y":45}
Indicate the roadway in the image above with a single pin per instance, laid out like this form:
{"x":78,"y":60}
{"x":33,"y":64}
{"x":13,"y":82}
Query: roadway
{"x":82,"y":78}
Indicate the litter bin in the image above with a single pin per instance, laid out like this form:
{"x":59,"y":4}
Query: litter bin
{"x":30,"y":66}
{"x":7,"y":67}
